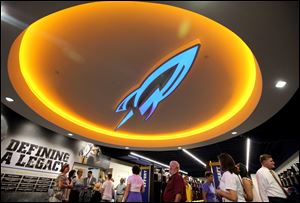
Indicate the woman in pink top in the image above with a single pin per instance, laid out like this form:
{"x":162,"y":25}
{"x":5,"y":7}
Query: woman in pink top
{"x":135,"y":185}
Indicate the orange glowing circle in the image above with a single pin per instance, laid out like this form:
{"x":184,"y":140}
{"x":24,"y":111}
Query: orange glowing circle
{"x":73,"y":67}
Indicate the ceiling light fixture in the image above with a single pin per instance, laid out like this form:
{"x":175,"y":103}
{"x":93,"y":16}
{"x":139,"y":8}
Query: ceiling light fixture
{"x":126,"y":147}
{"x":70,"y":134}
{"x":39,"y":95}
{"x":9,"y":99}
{"x":194,"y":157}
{"x":234,"y":133}
{"x":179,"y":148}
{"x":247,"y":154}
{"x":2,"y":11}
{"x":153,"y":161}
{"x":280,"y":84}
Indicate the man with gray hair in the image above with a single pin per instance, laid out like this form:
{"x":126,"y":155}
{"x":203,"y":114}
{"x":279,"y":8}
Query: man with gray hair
{"x":175,"y":189}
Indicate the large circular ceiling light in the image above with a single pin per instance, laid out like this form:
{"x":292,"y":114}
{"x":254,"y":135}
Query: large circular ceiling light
{"x":75,"y":67}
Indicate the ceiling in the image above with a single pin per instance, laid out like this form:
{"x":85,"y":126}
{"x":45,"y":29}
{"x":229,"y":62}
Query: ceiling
{"x":278,"y":136}
{"x":271,"y":32}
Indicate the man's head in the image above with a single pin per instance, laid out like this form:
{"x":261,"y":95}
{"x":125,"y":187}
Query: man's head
{"x":109,"y":176}
{"x":266,"y":160}
{"x":90,"y":174}
{"x":209,"y":176}
{"x":174,"y":167}
{"x":122,"y":180}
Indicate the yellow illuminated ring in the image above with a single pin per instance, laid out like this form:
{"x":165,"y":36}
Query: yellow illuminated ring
{"x":251,"y":90}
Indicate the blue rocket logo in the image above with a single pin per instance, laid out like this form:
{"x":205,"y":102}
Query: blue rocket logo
{"x":158,"y":85}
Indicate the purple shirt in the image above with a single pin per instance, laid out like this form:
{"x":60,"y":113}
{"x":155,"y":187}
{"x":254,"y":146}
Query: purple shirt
{"x":209,"y":188}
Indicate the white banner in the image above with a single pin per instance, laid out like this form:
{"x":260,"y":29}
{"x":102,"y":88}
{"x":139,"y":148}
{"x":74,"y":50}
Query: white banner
{"x":34,"y":155}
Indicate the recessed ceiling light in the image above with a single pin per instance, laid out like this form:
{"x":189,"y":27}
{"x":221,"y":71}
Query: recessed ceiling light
{"x":179,"y":148}
{"x":9,"y":99}
{"x":70,"y":134}
{"x":126,"y":147}
{"x":234,"y":133}
{"x":280,"y":84}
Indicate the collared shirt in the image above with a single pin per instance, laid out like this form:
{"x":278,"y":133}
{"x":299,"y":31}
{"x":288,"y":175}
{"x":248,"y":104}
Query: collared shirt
{"x":175,"y":186}
{"x":89,"y":180}
{"x":267,"y":185}
{"x":230,"y":181}
{"x":121,"y":189}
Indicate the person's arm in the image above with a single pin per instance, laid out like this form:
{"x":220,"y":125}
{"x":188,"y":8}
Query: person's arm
{"x":102,"y":187}
{"x":262,"y":187}
{"x":229,"y":194}
{"x":204,"y":193}
{"x":178,"y":197}
{"x":142,"y":188}
{"x":126,"y":192}
{"x":248,"y":189}
{"x":71,"y":184}
{"x":205,"y":190}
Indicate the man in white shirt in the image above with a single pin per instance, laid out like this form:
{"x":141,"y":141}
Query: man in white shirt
{"x":269,"y":186}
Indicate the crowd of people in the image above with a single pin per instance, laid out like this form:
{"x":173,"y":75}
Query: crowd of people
{"x":72,"y":188}
{"x":235,"y":185}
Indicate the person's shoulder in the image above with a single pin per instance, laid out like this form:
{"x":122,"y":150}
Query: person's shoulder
{"x":261,"y":170}
{"x":62,"y":176}
{"x":205,"y":184}
{"x":247,"y":180}
{"x":178,"y":177}
{"x":226,"y":174}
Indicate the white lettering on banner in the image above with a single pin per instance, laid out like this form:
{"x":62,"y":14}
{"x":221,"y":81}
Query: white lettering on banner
{"x":31,"y":156}
{"x":145,"y":177}
{"x":218,"y":169}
